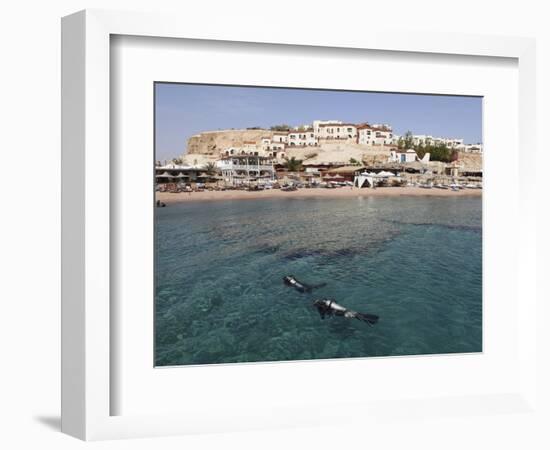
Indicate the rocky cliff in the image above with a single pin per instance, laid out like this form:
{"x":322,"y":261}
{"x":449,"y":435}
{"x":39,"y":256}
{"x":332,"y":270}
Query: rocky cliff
{"x":208,"y":146}
{"x":211,"y":143}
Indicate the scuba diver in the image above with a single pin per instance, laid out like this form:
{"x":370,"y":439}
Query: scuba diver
{"x":327,"y":307}
{"x":291,"y":281}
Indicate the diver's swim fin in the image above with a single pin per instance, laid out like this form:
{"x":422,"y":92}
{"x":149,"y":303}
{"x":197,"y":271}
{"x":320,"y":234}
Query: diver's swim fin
{"x":371,"y":319}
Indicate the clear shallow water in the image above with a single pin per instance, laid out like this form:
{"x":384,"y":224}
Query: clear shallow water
{"x":416,"y":262}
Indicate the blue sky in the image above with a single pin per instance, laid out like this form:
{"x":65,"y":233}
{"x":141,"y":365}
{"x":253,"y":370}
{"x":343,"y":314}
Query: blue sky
{"x":183,"y":110}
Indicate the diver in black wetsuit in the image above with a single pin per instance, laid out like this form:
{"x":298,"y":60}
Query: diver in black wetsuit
{"x":330,"y":308}
{"x":291,"y":281}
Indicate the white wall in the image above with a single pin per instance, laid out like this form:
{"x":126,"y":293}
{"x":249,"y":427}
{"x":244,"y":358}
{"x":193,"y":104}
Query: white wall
{"x":29,"y":292}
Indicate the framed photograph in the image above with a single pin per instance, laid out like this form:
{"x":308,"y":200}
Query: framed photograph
{"x":264,"y":231}
{"x":251,"y":223}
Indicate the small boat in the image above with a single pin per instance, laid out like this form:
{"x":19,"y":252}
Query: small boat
{"x":455,"y":187}
{"x":441,"y":186}
{"x":289,"y":188}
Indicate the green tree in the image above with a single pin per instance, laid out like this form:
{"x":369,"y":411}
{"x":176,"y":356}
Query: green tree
{"x":293,"y":164}
{"x":420,"y":150}
{"x":439,"y":152}
{"x":408,"y":141}
{"x":354,"y":162}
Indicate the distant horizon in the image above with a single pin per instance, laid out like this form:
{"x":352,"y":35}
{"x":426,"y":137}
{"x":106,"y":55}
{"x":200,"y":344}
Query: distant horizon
{"x":185,"y":110}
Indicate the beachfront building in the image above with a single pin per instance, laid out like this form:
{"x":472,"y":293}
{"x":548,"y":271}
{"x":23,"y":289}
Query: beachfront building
{"x":341,"y":174}
{"x":246,"y":169}
{"x":406,"y":156}
{"x":248,"y":148}
{"x":304,"y":138}
{"x":177,"y":174}
{"x":230,"y":151}
{"x":340,"y":131}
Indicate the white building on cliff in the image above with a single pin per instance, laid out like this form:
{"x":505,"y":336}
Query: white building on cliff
{"x":304,"y":138}
{"x":339,"y":131}
{"x":374,"y":134}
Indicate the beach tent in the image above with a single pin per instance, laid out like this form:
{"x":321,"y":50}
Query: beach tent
{"x":363,"y":180}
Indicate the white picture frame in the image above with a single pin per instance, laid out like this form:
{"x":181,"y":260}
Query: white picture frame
{"x":86,"y":220}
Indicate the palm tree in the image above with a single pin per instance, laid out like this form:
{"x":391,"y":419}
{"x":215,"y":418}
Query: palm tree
{"x":408,"y":142}
{"x":210,"y":169}
{"x":293,"y":164}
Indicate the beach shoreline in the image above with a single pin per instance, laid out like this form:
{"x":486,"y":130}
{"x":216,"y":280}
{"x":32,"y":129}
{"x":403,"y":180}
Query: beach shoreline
{"x":343,"y":192}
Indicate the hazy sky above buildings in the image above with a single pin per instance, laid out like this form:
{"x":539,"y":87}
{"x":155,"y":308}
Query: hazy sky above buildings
{"x":183,"y":110}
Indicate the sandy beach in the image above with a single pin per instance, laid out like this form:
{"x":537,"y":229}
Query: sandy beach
{"x":344,"y":192}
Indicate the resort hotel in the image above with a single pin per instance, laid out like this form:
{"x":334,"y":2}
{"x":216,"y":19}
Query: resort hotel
{"x":324,"y":152}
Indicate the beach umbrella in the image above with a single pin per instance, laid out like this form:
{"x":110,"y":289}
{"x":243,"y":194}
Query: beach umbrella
{"x":165,"y":175}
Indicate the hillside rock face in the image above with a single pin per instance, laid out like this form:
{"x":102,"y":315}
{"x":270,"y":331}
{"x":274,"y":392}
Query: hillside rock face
{"x":340,"y":153}
{"x":212,"y":143}
{"x":209,"y":145}
{"x":470,"y":161}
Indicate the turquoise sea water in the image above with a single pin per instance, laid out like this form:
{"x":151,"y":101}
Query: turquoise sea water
{"x":416,"y":262}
